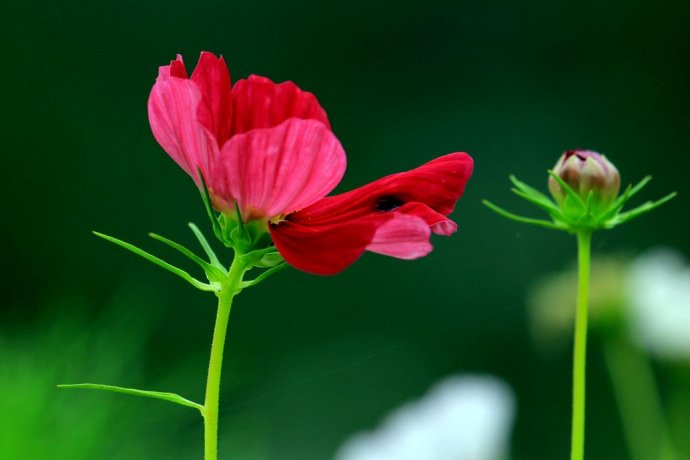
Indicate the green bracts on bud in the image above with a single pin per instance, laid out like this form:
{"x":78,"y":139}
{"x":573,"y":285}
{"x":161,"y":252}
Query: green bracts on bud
{"x":585,"y":186}
{"x":589,"y":174}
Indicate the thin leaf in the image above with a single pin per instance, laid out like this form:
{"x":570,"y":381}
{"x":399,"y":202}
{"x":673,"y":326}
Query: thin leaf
{"x":639,"y":186}
{"x":209,"y":208}
{"x":533,"y":192}
{"x":642,"y":209}
{"x":588,"y":203}
{"x":204,"y":244}
{"x":246,"y":238}
{"x":161,"y":263}
{"x":545,"y":204}
{"x":568,"y":190}
{"x":618,"y":204}
{"x":171,"y":397}
{"x":629,"y":192}
{"x":264,"y":275}
{"x":183,"y":250}
{"x":526,"y":220}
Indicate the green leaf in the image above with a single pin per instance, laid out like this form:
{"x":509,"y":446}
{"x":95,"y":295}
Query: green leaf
{"x":161,"y":263}
{"x":204,"y":244}
{"x":617,"y":205}
{"x":183,"y":250}
{"x":621,"y":200}
{"x":240,"y":234}
{"x":640,"y":210}
{"x":172,"y":397}
{"x":264,"y":275}
{"x":569,"y":191}
{"x":209,"y":208}
{"x":526,"y":220}
{"x":213,"y":273}
{"x":534,"y":196}
{"x":639,"y":186}
{"x":544,"y":203}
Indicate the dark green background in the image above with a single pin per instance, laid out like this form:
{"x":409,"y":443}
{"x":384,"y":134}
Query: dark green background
{"x":310,"y":359}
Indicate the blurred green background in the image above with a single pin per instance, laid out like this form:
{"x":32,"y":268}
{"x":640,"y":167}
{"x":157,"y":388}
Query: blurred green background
{"x":311,"y":360}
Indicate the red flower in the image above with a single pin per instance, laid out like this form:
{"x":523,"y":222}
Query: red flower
{"x":269,"y":148}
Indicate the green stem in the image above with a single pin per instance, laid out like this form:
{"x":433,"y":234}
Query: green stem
{"x":230,"y":288}
{"x":642,"y":414}
{"x":577,"y":451}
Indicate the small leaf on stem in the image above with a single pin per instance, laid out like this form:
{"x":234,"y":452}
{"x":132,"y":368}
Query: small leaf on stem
{"x":171,"y":397}
{"x":206,"y":196}
{"x":161,"y":263}
{"x":526,"y":220}
{"x":204,"y":244}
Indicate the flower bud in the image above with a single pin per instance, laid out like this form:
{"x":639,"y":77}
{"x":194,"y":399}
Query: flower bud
{"x":586,"y":171}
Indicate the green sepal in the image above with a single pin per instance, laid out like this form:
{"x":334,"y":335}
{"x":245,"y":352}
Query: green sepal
{"x":205,"y":245}
{"x":524,"y":220}
{"x":264,"y":275}
{"x":241,"y":239}
{"x":270,"y":259}
{"x":572,"y":206}
{"x":214,"y":273}
{"x":206,"y":197}
{"x":171,"y":397}
{"x":161,"y":263}
{"x":264,"y":258}
{"x":573,"y":213}
{"x":640,"y":210}
{"x":535,"y":197}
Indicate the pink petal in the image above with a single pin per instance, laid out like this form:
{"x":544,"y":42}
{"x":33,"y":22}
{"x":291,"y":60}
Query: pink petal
{"x":173,"y":109}
{"x":213,"y":80}
{"x":403,"y":237}
{"x":279,"y":170}
{"x":438,"y":223}
{"x":260,"y":103}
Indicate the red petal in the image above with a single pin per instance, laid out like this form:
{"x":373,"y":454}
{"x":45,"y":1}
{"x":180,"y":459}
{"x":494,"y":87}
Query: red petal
{"x":278,"y":170}
{"x":392,"y":216}
{"x":260,"y":103}
{"x":213,"y":79}
{"x":175,"y":69}
{"x":325,"y":250}
{"x":437,"y":184}
{"x":329,"y":249}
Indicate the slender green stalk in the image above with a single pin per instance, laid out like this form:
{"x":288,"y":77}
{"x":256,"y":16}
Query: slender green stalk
{"x":230,"y":287}
{"x":577,"y":450}
{"x":642,"y":414}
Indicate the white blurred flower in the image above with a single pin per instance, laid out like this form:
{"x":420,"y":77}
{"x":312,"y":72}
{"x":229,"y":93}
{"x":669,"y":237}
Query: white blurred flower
{"x":658,"y":291}
{"x":461,"y":418}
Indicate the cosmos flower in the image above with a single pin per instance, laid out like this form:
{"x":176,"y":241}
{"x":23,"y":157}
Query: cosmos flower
{"x":462,"y":418}
{"x":268,"y":149}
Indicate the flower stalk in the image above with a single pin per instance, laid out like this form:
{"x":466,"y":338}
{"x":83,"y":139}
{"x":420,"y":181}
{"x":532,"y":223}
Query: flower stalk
{"x":577,"y":444}
{"x":584,"y":186}
{"x":229,"y":289}
{"x":226,"y":284}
